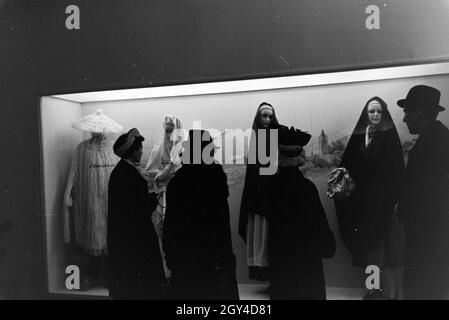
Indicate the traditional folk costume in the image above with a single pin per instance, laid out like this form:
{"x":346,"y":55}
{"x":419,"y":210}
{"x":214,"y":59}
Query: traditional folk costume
{"x":374,"y":160}
{"x":162,"y":165}
{"x":86,"y":193}
{"x":253,"y":223}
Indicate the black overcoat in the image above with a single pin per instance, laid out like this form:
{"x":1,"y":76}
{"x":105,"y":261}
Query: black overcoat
{"x":424,"y":205}
{"x":135,"y":269}
{"x":299,"y":237}
{"x":197,"y":235}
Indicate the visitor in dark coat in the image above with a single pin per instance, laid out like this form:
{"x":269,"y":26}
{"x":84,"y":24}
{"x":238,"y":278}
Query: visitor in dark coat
{"x":424,"y":205}
{"x":135,"y":268}
{"x":197,"y":234}
{"x":299,"y":234}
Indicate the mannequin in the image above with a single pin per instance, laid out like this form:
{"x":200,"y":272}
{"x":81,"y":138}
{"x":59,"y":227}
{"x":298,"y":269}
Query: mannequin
{"x":162,"y":165}
{"x":86,"y":196}
{"x":254,"y":208}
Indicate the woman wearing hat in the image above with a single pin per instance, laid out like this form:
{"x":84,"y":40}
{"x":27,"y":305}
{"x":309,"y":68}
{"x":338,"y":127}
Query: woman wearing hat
{"x":299,"y":234}
{"x":197,"y":233}
{"x":135,"y":263}
{"x":374,"y":160}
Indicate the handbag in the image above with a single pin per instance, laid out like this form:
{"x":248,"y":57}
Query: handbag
{"x":340,"y":184}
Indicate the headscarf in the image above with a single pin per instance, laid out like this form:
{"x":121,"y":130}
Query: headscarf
{"x":386,"y":126}
{"x":167,"y":149}
{"x":363,"y":122}
{"x":258,"y":129}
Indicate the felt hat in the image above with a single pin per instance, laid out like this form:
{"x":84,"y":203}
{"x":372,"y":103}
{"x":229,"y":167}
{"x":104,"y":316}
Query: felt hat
{"x":292,"y":140}
{"x":125,"y":141}
{"x":422,"y":98}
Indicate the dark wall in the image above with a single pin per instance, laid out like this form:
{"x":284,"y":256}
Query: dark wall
{"x":124,"y":44}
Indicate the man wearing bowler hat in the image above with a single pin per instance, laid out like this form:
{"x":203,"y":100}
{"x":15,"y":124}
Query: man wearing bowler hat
{"x":424,"y":205}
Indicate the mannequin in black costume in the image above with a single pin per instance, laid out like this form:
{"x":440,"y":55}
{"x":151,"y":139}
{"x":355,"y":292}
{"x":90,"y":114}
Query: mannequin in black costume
{"x":253,"y":224}
{"x":374,"y":160}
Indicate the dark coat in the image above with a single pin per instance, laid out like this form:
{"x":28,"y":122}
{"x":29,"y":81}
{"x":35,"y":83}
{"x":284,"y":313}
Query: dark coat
{"x":424,"y":208}
{"x":365,"y":217}
{"x":197,"y":234}
{"x":299,"y":237}
{"x":135,"y":269}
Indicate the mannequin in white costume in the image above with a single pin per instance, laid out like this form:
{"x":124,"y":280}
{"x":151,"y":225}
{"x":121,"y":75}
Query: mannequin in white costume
{"x":162,"y":165}
{"x":86,"y":194}
{"x":85,"y":204}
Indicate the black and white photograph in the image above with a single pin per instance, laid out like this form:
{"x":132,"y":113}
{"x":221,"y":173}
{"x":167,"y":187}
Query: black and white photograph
{"x":229,"y":152}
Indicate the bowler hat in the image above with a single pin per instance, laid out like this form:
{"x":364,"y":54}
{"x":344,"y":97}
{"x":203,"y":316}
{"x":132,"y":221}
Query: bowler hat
{"x":422,"y":97}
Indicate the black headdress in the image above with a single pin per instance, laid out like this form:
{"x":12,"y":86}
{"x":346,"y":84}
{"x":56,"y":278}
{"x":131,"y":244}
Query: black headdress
{"x":291,"y":140}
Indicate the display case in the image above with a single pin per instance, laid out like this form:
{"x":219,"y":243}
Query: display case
{"x":325,"y":105}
